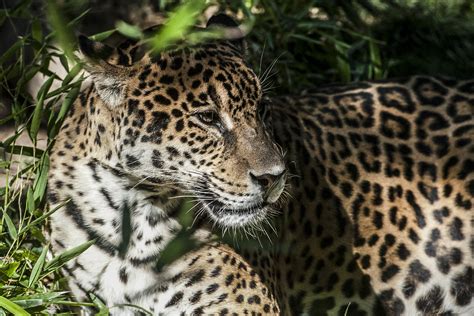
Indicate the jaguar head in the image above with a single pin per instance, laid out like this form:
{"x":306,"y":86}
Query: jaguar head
{"x":190,"y":117}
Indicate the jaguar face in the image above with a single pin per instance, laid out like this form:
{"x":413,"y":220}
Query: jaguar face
{"x":190,"y":118}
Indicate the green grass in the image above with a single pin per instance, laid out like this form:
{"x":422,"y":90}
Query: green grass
{"x":298,"y":44}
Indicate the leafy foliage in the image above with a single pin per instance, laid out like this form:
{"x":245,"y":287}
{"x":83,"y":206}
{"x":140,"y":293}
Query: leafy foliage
{"x":293,"y":45}
{"x":325,"y":41}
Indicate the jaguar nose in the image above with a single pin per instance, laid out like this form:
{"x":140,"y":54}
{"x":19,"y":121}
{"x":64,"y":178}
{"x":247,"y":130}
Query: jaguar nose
{"x":266,"y":181}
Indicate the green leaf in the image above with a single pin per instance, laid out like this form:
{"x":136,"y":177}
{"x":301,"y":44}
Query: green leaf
{"x":36,"y":120}
{"x":138,"y":308}
{"x":375,"y":59}
{"x":36,"y":300}
{"x":9,"y":269}
{"x":65,"y":106}
{"x":36,"y":31}
{"x":102,"y":36}
{"x":41,"y":179}
{"x":62,"y":30}
{"x":9,"y":53}
{"x":30,"y":303}
{"x":22,"y":150}
{"x":128,"y":30}
{"x":61,"y":259}
{"x":30,"y":201}
{"x":64,"y":62}
{"x":103,"y":310}
{"x":42,"y":296}
{"x":28,"y":75}
{"x":42,"y":92}
{"x":11,"y":227}
{"x":71,"y":74}
{"x":186,"y":216}
{"x":180,"y":245}
{"x":68,"y":101}
{"x":12,"y":307}
{"x":63,"y":89}
{"x":40,"y":219}
{"x":78,"y":18}
{"x":343,"y":67}
{"x":38,"y":267}
{"x":177,"y":25}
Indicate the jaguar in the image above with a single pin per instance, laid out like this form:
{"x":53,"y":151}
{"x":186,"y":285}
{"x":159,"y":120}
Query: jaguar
{"x":355,"y":199}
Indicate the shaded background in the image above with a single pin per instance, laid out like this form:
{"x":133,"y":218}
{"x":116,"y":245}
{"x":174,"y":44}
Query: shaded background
{"x":316,"y":42}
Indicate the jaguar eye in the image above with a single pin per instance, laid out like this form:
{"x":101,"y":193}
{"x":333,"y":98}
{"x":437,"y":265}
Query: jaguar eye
{"x":208,"y":117}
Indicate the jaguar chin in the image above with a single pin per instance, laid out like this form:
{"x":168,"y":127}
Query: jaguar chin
{"x":234,"y":213}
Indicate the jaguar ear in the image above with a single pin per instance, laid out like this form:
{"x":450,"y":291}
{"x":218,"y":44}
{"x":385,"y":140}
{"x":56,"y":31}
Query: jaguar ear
{"x":223,"y":20}
{"x":231,"y":27}
{"x":109,"y":79}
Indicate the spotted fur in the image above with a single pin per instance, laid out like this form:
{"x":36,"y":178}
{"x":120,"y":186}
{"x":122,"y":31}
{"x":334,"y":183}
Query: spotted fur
{"x":381,"y":219}
{"x":380,"y":173}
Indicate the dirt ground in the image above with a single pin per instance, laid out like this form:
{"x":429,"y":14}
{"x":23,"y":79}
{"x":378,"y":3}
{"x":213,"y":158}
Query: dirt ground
{"x":17,"y":161}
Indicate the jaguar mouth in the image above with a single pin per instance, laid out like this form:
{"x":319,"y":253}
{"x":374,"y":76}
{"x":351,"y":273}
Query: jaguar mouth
{"x":229,"y":216}
{"x":239,"y":213}
{"x":220,"y":208}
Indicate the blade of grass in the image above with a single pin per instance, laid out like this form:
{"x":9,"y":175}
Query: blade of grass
{"x":10,"y":226}
{"x":103,"y":310}
{"x":62,"y":30}
{"x":22,"y":150}
{"x":376,"y":62}
{"x":12,"y":307}
{"x":66,"y":105}
{"x":42,"y":179}
{"x":40,"y":219}
{"x":37,"y":114}
{"x":343,"y":67}
{"x":129,"y":30}
{"x":36,"y":31}
{"x":71,"y":74}
{"x":102,"y":36}
{"x":38,"y":267}
{"x":10,"y":52}
{"x":61,"y":259}
{"x":30,"y":201}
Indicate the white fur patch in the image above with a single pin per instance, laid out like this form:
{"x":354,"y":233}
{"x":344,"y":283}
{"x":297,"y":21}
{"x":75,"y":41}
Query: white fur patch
{"x":227,"y":121}
{"x":111,"y":90}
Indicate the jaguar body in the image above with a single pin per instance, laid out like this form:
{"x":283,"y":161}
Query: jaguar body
{"x":380,"y":176}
